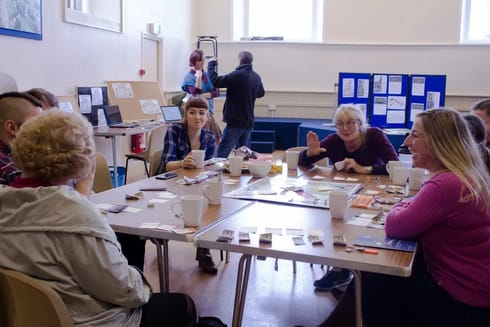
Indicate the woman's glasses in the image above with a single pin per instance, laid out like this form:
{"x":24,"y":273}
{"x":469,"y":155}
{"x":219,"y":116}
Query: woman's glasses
{"x":348,"y":124}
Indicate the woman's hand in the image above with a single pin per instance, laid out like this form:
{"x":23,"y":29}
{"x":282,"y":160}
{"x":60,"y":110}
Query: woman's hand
{"x":313,"y":144}
{"x":350,"y":165}
{"x":189,"y":161}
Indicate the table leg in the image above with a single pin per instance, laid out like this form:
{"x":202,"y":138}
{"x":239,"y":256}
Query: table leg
{"x":114,"y":158}
{"x":162,"y":260}
{"x":358,"y":297}
{"x":241,"y":289}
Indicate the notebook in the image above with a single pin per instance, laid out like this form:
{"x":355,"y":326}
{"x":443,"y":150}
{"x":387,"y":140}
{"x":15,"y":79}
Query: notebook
{"x":171,"y":113}
{"x":114,"y":119}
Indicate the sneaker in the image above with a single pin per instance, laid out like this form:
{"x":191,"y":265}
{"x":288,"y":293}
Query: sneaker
{"x":334,"y":279}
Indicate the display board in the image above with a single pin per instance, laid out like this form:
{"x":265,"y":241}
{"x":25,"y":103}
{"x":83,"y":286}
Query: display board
{"x":355,"y":88}
{"x":389,"y":100}
{"x":393,"y":100}
{"x":91,"y":100}
{"x":137,"y":100}
{"x":426,"y":92}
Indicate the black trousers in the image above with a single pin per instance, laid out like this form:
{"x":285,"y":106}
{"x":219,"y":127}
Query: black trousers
{"x":133,"y":248}
{"x":169,"y":309}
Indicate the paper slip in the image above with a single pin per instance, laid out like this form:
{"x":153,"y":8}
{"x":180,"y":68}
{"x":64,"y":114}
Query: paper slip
{"x":158,"y":201}
{"x":243,"y":237}
{"x":362,"y":201}
{"x":274,"y":231}
{"x":298,"y":240}
{"x":315,"y":239}
{"x":339,"y":178}
{"x":265,"y":238}
{"x":372,"y":192}
{"x":248,"y":229}
{"x":149,"y":225}
{"x":133,"y":210}
{"x":318,"y":177}
{"x":226,"y":236}
{"x":295,"y":231}
{"x":315,"y":232}
{"x":187,"y":230}
{"x":363,"y":219}
{"x":352,"y":179}
{"x":103,"y":206}
{"x":167,"y":194}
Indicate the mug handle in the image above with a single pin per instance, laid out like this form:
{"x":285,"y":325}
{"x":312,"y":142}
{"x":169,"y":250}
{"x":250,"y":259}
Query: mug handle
{"x":173,"y":206}
{"x":205,"y":192}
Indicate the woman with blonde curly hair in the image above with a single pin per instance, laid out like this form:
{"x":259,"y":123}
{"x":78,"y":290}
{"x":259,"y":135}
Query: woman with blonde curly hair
{"x":52,"y":232}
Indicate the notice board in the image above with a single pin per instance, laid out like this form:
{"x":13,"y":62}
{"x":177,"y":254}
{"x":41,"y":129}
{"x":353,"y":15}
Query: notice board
{"x":137,"y":100}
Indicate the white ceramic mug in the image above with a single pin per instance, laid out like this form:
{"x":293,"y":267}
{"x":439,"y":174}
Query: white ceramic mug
{"x":198,"y":158}
{"x":399,"y":175}
{"x":337,"y":204}
{"x":189,"y":208}
{"x":292,"y":157}
{"x":392,"y":164}
{"x":415,"y":178}
{"x":213,"y":191}
{"x":235,"y":165}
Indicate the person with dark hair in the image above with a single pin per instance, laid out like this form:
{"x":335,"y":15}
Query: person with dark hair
{"x":15,"y":109}
{"x":183,"y":137}
{"x":478,"y":130}
{"x":243,"y":87}
{"x":482,"y":110}
{"x":52,"y":232}
{"x":47,"y":99}
{"x":197,"y":82}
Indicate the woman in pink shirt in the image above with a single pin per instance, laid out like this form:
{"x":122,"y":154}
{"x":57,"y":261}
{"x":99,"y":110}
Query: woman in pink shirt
{"x":450,"y":218}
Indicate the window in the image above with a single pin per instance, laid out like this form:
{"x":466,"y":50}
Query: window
{"x":475,"y":24}
{"x":294,"y":20}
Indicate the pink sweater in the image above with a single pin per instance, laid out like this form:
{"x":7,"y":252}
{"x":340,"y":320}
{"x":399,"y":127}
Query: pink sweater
{"x":455,"y":237}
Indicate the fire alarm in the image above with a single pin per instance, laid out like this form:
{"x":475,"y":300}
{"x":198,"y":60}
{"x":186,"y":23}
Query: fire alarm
{"x":154,"y":28}
{"x":142,"y":72}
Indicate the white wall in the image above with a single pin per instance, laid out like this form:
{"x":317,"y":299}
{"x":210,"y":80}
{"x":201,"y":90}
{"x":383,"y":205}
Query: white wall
{"x":386,"y":36}
{"x":71,"y":54}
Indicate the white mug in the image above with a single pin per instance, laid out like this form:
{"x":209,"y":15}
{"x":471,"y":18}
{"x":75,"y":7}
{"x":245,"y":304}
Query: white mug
{"x":213,"y":191}
{"x":337,"y":204}
{"x":292,"y":157}
{"x":415,"y":178}
{"x":392,"y":164}
{"x":235,"y":165}
{"x":399,"y":175}
{"x":190,"y":209}
{"x":198,"y":158}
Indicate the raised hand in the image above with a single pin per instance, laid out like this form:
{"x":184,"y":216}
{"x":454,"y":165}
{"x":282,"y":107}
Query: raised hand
{"x":313,"y":144}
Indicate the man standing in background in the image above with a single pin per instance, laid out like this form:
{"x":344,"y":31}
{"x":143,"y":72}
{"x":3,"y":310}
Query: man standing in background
{"x":243,"y":86}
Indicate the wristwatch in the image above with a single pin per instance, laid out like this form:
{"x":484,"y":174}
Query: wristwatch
{"x":369,"y":169}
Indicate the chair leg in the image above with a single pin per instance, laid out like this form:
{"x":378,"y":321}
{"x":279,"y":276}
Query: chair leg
{"x":294,"y":266}
{"x":146,"y":169}
{"x":126,"y":172}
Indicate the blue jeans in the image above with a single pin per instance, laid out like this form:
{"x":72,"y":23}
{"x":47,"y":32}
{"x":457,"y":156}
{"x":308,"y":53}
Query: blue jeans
{"x":233,"y":136}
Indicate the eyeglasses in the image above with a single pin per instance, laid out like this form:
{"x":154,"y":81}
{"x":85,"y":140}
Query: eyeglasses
{"x":348,"y":124}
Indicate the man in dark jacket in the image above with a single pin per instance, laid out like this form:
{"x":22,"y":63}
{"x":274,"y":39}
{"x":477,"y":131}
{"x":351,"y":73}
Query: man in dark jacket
{"x":243,"y":86}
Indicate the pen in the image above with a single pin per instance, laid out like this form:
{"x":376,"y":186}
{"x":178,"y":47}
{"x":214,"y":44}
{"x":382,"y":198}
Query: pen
{"x":149,"y":189}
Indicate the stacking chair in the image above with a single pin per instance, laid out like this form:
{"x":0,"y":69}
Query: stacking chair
{"x":155,"y":143}
{"x":30,"y":302}
{"x":102,"y":180}
{"x":156,"y":159}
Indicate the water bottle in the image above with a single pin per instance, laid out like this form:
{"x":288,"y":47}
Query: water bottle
{"x":405,"y":156}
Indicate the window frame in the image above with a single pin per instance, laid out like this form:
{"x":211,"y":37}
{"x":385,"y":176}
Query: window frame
{"x":465,"y":25}
{"x":241,"y":24}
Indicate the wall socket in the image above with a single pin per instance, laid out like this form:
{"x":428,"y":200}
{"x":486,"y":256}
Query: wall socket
{"x":272,"y":107}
